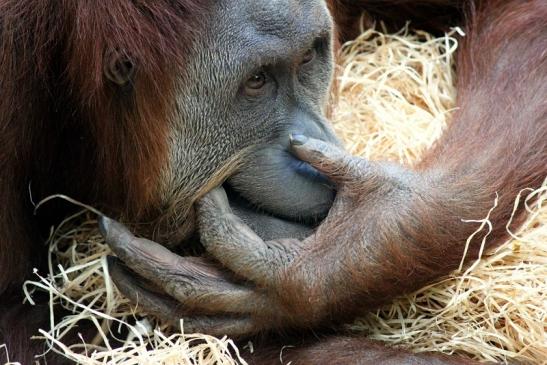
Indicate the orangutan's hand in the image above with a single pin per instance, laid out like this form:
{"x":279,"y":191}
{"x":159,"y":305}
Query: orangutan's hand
{"x":251,"y":285}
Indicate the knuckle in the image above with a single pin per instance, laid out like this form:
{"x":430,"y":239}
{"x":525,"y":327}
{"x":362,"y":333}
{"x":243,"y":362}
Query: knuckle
{"x":180,"y":287}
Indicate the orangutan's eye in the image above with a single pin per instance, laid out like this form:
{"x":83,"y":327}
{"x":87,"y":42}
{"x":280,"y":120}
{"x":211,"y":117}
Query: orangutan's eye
{"x":309,"y":56}
{"x":256,"y":81}
{"x":255,"y":85}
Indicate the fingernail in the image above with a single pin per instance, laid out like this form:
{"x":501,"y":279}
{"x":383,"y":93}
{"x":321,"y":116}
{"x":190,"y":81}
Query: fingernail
{"x":104,"y":223}
{"x":297,"y":139}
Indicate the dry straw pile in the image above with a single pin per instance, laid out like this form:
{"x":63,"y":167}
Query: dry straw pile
{"x":395,"y":94}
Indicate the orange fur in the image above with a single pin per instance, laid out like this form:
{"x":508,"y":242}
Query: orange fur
{"x":66,"y":129}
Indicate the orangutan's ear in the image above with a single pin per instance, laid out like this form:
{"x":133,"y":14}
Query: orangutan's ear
{"x":118,"y":67}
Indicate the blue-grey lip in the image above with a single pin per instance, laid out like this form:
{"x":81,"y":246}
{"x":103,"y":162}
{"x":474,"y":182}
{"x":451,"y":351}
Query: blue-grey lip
{"x":308,"y":171}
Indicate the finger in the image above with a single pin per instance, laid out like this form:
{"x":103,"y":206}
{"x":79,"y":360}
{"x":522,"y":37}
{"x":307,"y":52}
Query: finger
{"x":217,"y":199}
{"x":193,"y":281}
{"x":220,"y":326}
{"x":138,"y":253}
{"x":171,"y":311}
{"x":145,"y":299}
{"x":329,"y":159}
{"x":238,"y":247}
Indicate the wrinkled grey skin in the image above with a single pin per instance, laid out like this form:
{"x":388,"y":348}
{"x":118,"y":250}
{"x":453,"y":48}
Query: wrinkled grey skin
{"x":217,"y":124}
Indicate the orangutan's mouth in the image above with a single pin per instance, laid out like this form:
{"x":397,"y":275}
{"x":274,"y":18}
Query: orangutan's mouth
{"x":264,"y":223}
{"x":271,"y":214}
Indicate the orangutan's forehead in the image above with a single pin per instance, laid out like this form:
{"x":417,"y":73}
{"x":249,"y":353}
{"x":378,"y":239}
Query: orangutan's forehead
{"x":255,"y":28}
{"x":281,"y":18}
{"x":287,"y":16}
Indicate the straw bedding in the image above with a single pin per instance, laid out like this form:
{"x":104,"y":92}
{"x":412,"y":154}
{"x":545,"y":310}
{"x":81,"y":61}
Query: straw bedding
{"x":395,"y":95}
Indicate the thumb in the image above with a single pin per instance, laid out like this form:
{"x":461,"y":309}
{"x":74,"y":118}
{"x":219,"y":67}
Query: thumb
{"x":331,"y":160}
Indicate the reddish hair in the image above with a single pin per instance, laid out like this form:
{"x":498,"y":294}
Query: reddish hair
{"x":67,"y":129}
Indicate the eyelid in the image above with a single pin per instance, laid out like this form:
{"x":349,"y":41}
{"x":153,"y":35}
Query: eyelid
{"x":256,"y":70}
